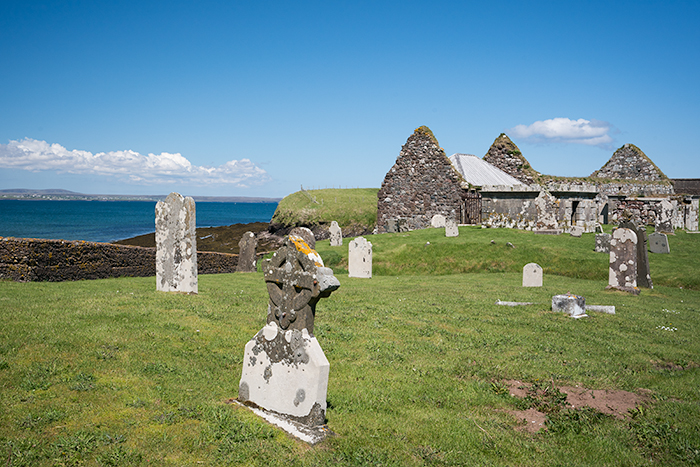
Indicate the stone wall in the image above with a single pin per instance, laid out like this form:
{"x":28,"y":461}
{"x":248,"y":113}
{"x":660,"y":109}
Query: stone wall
{"x":28,"y":259}
{"x":646,"y":211}
{"x":687,"y":186}
{"x":421,"y":183}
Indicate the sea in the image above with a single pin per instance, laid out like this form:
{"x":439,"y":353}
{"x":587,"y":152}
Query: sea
{"x":107,"y":221}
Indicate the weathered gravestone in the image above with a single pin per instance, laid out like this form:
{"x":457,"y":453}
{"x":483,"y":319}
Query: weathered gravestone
{"x":246,"y":253}
{"x":532,"y":275}
{"x":360,"y":258}
{"x":691,"y":215}
{"x":451,"y":229}
{"x":598,"y":228}
{"x":574,"y":305}
{"x":438,"y":221}
{"x":664,"y":221}
{"x":546,"y":206}
{"x":622,"y":272}
{"x":643,"y":271}
{"x":336,"y":236}
{"x":602,"y":243}
{"x":306,"y":234}
{"x":392,"y":226}
{"x":176,"y":245}
{"x":284,"y":368}
{"x":658,"y":243}
{"x":576,"y":231}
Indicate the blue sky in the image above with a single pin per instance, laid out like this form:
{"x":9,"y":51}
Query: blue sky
{"x":257,"y":98}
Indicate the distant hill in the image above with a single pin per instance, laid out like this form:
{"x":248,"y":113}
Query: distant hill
{"x":59,"y":194}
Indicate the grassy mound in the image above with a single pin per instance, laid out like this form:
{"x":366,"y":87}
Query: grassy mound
{"x":350,"y":208}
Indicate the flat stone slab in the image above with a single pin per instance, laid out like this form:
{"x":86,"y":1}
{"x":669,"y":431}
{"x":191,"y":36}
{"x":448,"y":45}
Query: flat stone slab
{"x":658,"y":243}
{"x":548,"y":232}
{"x":499,"y":302}
{"x":574,"y":305}
{"x":601,"y":309}
{"x":308,"y":434}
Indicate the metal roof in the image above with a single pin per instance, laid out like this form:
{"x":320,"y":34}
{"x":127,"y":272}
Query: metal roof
{"x":478,"y":172}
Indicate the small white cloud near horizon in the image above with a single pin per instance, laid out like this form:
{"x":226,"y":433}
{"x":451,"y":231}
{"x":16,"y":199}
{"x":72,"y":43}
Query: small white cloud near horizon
{"x":129,"y":166}
{"x":565,"y":130}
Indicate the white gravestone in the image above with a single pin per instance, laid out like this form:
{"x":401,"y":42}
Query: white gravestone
{"x":336,"y":234}
{"x":622,"y":273}
{"x":451,"y":229}
{"x":658,"y":243}
{"x":176,"y":245}
{"x":664,"y":222}
{"x":574,"y":305}
{"x":360,"y":258}
{"x":438,"y":221}
{"x":532,"y":275}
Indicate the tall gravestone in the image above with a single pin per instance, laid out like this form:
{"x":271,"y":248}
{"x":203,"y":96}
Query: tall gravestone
{"x":336,"y":235}
{"x":532,"y":275}
{"x":546,"y":205}
{"x":691,"y":215}
{"x":360,"y":258}
{"x":451,"y":229}
{"x":176,"y":245}
{"x":622,"y":272}
{"x":664,"y":221}
{"x":643,"y":270}
{"x":246,"y":253}
{"x":602,"y":243}
{"x":658,"y":243}
{"x":284,"y":368}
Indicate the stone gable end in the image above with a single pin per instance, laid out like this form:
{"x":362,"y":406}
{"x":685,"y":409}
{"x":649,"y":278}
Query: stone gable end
{"x":505,"y":155}
{"x":421,"y":184}
{"x":630,"y":163}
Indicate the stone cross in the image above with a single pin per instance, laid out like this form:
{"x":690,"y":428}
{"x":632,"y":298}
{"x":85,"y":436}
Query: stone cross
{"x":622,"y":273}
{"x":284,"y":368}
{"x":246,"y":253}
{"x":658,"y":243}
{"x":451,"y":229}
{"x":360,"y":258}
{"x":176,"y":245}
{"x":532,"y":275}
{"x":336,"y":237}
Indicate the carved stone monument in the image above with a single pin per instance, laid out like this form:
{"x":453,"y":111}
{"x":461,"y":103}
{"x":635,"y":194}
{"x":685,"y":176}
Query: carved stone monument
{"x":546,"y":205}
{"x":336,"y":237}
{"x":622,"y":273}
{"x":451,"y":229}
{"x":532,"y":275}
{"x":306,"y":234}
{"x":176,"y":245}
{"x":360,"y":258}
{"x":643,"y":270}
{"x":602,"y":243}
{"x":284,"y":368}
{"x":246,"y":253}
{"x":438,"y":221}
{"x":658,"y":243}
{"x":664,"y":221}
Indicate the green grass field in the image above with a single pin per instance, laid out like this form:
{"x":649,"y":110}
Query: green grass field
{"x":111,"y":372}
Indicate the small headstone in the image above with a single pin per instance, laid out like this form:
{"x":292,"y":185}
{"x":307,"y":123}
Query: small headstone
{"x":284,"y":368}
{"x":360,"y":258}
{"x":622,"y":272}
{"x":451,"y":229}
{"x":574,"y":305}
{"x":532,"y":275}
{"x":176,"y":245}
{"x":438,"y":221}
{"x":576,"y":231}
{"x":643,"y":270}
{"x":402,"y":225}
{"x":306,"y":234}
{"x":336,"y":234}
{"x":246,"y":253}
{"x":664,"y":221}
{"x":658,"y":243}
{"x":598,"y":228}
{"x":392,"y":226}
{"x":602,"y":243}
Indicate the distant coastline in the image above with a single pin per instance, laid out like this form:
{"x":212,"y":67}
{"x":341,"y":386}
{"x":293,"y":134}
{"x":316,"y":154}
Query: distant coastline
{"x":62,"y":195}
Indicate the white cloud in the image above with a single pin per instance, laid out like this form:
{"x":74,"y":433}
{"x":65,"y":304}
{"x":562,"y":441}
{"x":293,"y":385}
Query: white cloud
{"x":565,"y":130}
{"x":34,"y":155}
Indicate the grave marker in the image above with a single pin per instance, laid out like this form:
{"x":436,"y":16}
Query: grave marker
{"x":336,"y":235}
{"x":360,"y":258}
{"x":176,"y":245}
{"x":246,"y":253}
{"x":532,"y":275}
{"x":438,"y":221}
{"x":622,"y":272}
{"x":602,"y":243}
{"x":658,"y":243}
{"x":451,"y":229}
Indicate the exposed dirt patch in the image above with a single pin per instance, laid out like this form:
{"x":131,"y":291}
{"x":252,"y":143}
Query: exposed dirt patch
{"x":673,"y":366}
{"x":615,"y":403}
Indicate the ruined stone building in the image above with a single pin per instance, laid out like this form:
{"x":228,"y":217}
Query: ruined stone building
{"x":503,"y":190}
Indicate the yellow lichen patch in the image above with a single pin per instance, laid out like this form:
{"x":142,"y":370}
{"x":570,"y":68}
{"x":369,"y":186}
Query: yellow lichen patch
{"x":304,"y":247}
